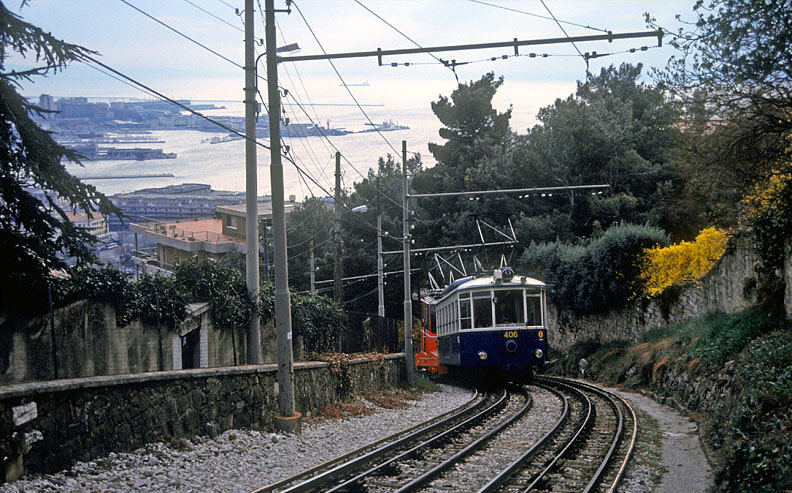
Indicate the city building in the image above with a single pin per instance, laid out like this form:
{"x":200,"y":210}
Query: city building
{"x":184,"y":201}
{"x":97,"y":225}
{"x":180,"y":240}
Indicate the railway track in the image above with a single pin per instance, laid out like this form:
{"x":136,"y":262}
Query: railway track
{"x":555,"y":435}
{"x":587,"y":450}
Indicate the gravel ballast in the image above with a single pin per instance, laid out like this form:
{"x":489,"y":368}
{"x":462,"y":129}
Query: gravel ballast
{"x":238,"y":460}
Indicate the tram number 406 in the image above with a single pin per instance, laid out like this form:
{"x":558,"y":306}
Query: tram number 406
{"x":511,"y":334}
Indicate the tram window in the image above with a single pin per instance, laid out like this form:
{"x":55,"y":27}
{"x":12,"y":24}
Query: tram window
{"x":508,"y":307}
{"x":482,"y":310}
{"x":464,"y":313}
{"x":534,"y":305}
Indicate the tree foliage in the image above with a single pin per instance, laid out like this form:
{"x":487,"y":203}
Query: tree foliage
{"x":735,"y":59}
{"x":34,"y":235}
{"x":733,"y":74}
{"x":598,"y":276}
{"x":616,"y":131}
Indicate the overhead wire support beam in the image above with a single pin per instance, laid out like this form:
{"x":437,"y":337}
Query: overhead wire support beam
{"x":514,"y":43}
{"x":510,"y":190}
{"x":366,"y":276}
{"x":453,"y":247}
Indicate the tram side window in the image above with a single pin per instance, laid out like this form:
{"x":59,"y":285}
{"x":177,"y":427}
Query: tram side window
{"x":464,"y":311}
{"x":534,"y":305}
{"x":508,"y":307}
{"x":482,"y":310}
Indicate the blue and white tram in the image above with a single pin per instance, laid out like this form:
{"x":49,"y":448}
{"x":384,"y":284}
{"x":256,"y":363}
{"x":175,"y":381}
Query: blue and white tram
{"x":494,"y":323}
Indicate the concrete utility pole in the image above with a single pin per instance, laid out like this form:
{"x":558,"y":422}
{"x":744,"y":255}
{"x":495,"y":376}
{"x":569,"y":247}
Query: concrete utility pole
{"x":251,"y":191}
{"x":287,"y":419}
{"x":338,"y":270}
{"x":380,"y":275}
{"x":408,"y":319}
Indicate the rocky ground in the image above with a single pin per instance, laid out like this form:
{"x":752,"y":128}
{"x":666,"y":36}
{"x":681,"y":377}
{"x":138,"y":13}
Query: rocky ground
{"x":668,"y":457}
{"x":243,"y":460}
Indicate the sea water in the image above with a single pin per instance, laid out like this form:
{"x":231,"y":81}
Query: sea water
{"x":223,"y":165}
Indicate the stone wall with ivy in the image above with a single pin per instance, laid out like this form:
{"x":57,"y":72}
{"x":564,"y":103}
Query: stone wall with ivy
{"x":47,"y":426}
{"x":729,"y":288}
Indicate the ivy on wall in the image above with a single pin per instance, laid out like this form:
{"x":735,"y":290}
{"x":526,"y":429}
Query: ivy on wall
{"x":158,"y":299}
{"x":768,"y":216}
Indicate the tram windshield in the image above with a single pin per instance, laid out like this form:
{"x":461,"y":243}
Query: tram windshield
{"x":508,"y":307}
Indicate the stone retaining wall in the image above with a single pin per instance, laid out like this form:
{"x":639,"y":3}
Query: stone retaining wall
{"x":47,"y":426}
{"x":727,"y":288}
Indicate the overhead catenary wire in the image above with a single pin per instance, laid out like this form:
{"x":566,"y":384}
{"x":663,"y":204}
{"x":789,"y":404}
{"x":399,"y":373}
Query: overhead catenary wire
{"x":589,"y":55}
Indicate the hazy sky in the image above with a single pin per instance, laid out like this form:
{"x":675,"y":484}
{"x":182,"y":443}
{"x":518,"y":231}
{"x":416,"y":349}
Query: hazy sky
{"x":149,"y":52}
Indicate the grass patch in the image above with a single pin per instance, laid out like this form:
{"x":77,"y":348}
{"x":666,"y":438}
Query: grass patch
{"x":751,"y":426}
{"x":422,"y":385}
{"x":646,"y":466}
{"x":724,"y":340}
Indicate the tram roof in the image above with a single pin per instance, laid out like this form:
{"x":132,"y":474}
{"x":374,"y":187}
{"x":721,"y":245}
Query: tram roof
{"x":469,"y":283}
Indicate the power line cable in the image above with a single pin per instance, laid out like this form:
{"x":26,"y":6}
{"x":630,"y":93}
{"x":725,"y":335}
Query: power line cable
{"x":190,"y":110}
{"x":408,"y":38}
{"x":229,"y":5}
{"x":357,"y":104}
{"x":166,"y":98}
{"x":585,"y":58}
{"x":537,"y":15}
{"x":342,"y":79}
{"x":361,"y":296}
{"x":182,"y":34}
{"x":216,"y":17}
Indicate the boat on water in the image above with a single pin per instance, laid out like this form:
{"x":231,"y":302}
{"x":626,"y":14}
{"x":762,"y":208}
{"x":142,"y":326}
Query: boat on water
{"x":223,"y":139}
{"x":386,"y":126}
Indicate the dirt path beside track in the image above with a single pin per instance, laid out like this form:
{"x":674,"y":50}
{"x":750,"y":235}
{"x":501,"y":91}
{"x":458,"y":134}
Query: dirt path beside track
{"x":683,"y":456}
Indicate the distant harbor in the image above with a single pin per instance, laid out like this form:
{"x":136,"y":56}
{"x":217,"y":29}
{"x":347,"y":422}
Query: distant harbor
{"x":127,"y":177}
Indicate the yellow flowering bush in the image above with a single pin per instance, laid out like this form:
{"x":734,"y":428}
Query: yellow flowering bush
{"x":683,"y":262}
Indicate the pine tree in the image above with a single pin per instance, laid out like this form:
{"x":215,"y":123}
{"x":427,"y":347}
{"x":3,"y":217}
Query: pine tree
{"x":34,"y":235}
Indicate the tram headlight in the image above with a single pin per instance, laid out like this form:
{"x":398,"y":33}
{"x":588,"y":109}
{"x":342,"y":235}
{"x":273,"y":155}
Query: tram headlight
{"x":482,"y":355}
{"x":539,"y":353}
{"x":511,"y":345}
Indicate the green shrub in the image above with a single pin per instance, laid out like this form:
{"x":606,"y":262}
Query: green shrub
{"x":753,"y":437}
{"x":318,"y":319}
{"x":598,"y":276}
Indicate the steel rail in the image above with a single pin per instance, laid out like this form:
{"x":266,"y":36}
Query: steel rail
{"x":620,"y":474}
{"x":589,"y":416}
{"x":506,"y":473}
{"x":472,"y":447}
{"x":476,"y":400}
{"x":353,"y":483}
{"x":617,"y":436}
